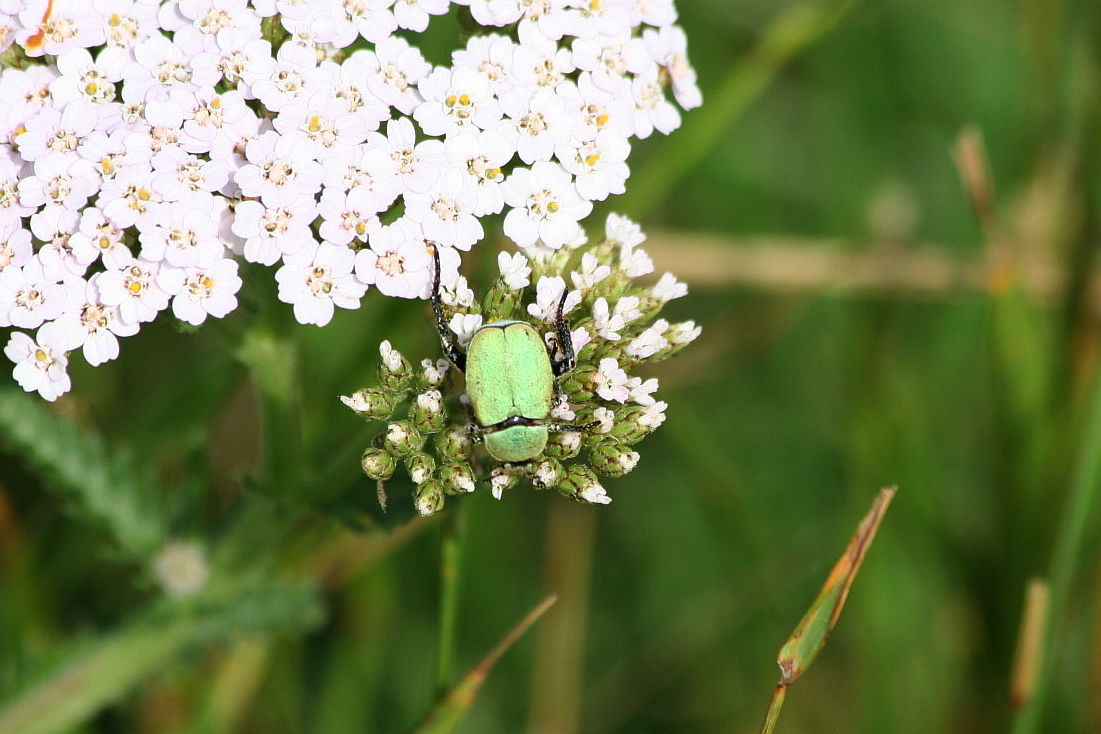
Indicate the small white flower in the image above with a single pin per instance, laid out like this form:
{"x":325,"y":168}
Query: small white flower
{"x":668,"y":46}
{"x":99,"y":237}
{"x":416,"y":165}
{"x":611,"y":58}
{"x":590,"y":272}
{"x":62,"y":180}
{"x":40,"y":365}
{"x":652,"y":109}
{"x":607,"y":322}
{"x":456,"y":100}
{"x":445,"y":212}
{"x":481,"y":157}
{"x":610,"y":381}
{"x":323,"y":125}
{"x":83,"y":78}
{"x":278,"y":82}
{"x":279,"y":170}
{"x":133,"y":289}
{"x":498,"y":482}
{"x":606,"y":418}
{"x":318,"y":278}
{"x":270,"y":232}
{"x":391,"y":357}
{"x":547,"y":207}
{"x":545,"y":475}
{"x":28,"y":298}
{"x":199,"y":291}
{"x":433,"y":372}
{"x":464,"y":325}
{"x":397,"y":261}
{"x":683,"y":333}
{"x":372,"y":19}
{"x":348,"y":216}
{"x":595,"y":494}
{"x":490,"y":56}
{"x":538,"y":123}
{"x":396,"y":69}
{"x":93,"y":327}
{"x":181,"y":568}
{"x":515,"y":270}
{"x":185,"y":234}
{"x":642,"y":392}
{"x":548,"y":292}
{"x":649,"y":342}
{"x":595,"y":109}
{"x":430,"y":401}
{"x":15,"y":247}
{"x":599,"y":165}
{"x":668,"y":287}
{"x":654,"y":415}
{"x":457,"y":293}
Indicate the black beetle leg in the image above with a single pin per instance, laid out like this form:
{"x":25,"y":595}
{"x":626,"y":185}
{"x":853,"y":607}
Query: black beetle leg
{"x":563,"y":340}
{"x":572,"y":427}
{"x":447,"y":339}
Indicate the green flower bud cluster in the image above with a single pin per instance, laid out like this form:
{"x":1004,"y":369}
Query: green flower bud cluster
{"x":615,"y":330}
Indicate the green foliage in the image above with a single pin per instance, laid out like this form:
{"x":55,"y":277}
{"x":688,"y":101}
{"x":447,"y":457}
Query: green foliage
{"x":108,"y":486}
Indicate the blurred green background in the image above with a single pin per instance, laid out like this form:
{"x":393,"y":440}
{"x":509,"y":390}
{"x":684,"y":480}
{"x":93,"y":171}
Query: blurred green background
{"x":862,"y":328}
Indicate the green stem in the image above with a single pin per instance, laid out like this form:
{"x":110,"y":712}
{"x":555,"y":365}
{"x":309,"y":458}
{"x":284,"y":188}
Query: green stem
{"x":450,"y":557}
{"x":774,"y":707}
{"x":1069,"y":543}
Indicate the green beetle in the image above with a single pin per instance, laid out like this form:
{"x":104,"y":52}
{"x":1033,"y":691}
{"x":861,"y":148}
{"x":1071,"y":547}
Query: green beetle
{"x":511,"y":380}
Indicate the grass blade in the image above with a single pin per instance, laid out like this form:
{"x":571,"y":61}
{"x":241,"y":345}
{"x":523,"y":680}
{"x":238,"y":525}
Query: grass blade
{"x":458,"y":701}
{"x":810,"y":635}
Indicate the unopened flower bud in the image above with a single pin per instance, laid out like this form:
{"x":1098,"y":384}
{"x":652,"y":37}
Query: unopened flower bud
{"x":420,"y":466}
{"x":612,"y":458}
{"x":427,"y":411}
{"x":547,"y":473}
{"x":578,"y":386}
{"x":428,"y":497}
{"x":580,"y":482}
{"x":378,"y":463}
{"x":402,"y":438}
{"x":370,"y":403}
{"x":637,"y":421}
{"x":453,"y":444}
{"x":394,"y":371}
{"x":456,"y":478}
{"x":564,"y":445}
{"x":500,"y":303}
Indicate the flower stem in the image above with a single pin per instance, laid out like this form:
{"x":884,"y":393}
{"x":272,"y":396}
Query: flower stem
{"x":450,"y":557}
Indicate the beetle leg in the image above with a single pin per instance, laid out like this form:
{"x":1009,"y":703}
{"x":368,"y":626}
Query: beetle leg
{"x":563,"y":340}
{"x":473,"y":428}
{"x":572,"y":427}
{"x":447,"y":339}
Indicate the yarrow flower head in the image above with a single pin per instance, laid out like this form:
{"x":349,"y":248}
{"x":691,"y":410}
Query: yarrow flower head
{"x":147,"y":147}
{"x":593,"y":412}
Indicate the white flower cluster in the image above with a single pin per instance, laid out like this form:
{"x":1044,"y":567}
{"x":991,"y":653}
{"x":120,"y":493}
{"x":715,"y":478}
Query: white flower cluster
{"x":157,"y":144}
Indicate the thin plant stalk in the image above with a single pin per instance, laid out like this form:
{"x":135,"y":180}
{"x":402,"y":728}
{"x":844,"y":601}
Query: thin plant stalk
{"x":450,"y":568}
